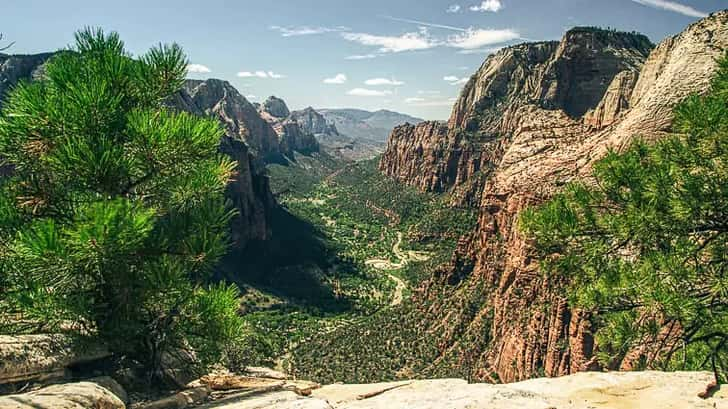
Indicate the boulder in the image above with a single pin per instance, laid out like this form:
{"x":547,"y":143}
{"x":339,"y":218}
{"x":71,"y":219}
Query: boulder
{"x":101,"y":393}
{"x":39,"y":357}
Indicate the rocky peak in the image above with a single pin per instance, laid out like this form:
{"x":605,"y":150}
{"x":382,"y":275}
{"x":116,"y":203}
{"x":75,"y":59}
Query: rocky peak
{"x":276,"y":107}
{"x":15,"y":68}
{"x":313,"y":122}
{"x":534,"y":117}
{"x":241,"y":119}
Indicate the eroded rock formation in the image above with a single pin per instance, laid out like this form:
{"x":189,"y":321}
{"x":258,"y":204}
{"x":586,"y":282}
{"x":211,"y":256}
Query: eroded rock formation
{"x":292,"y":136}
{"x":534,"y":117}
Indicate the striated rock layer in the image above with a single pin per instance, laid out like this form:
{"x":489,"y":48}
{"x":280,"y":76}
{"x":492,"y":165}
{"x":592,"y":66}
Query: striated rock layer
{"x":532,"y":118}
{"x":247,"y":136}
{"x":292,"y":136}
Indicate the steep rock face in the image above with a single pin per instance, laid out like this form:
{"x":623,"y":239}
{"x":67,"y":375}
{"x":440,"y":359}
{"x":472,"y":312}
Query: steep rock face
{"x":571,"y":76}
{"x":291,"y":135}
{"x":241,"y":119}
{"x":15,"y":68}
{"x":532,"y":136}
{"x":250,"y":191}
{"x":314,"y":123}
{"x":276,"y":107}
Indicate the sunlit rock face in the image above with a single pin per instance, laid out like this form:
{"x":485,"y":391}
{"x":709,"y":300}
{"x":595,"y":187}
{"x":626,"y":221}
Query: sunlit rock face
{"x":532,"y":118}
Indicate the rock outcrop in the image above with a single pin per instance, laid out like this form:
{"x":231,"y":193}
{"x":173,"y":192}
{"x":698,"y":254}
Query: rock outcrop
{"x":40,"y":357}
{"x":14,"y":68}
{"x":249,"y":140}
{"x":291,"y":135}
{"x":534,"y":117}
{"x":100,"y":393}
{"x":240,"y":117}
{"x":632,"y":390}
{"x":276,"y":107}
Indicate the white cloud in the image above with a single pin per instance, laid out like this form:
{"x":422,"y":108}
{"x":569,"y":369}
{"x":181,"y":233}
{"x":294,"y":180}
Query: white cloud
{"x":251,"y":96}
{"x":455,"y":8}
{"x":427,"y":92}
{"x":453,"y":80}
{"x":673,"y":6}
{"x":363,"y":92}
{"x":383,"y":81}
{"x":336,"y":79}
{"x":394,"y":44}
{"x":361,"y":57}
{"x":306,"y":30}
{"x":488,"y":5}
{"x":260,"y":74}
{"x":414,"y":100}
{"x":476,"y":38}
{"x":197,"y":69}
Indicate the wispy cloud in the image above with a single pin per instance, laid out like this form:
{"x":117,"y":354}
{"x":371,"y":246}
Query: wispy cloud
{"x":454,"y":80}
{"x":364,"y":92}
{"x":383,"y":81}
{"x":425,"y":23}
{"x":260,"y":74}
{"x":455,"y":8}
{"x":478,"y":38}
{"x":394,"y":44}
{"x":673,"y":6}
{"x":198,"y":69}
{"x":466,"y":39}
{"x":493,"y":6}
{"x":337,"y":79}
{"x":361,"y":57}
{"x":428,"y":92}
{"x":307,"y":30}
{"x":251,"y":96}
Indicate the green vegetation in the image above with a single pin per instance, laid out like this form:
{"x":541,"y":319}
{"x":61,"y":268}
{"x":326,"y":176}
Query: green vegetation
{"x":361,"y":243}
{"x":113,"y":215}
{"x":645,"y":246}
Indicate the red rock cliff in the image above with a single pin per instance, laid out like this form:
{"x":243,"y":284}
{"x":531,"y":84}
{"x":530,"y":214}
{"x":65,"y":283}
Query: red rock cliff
{"x":533,"y":117}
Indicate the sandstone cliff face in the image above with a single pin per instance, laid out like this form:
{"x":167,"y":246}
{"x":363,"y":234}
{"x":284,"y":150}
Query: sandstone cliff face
{"x":527,"y":122}
{"x":291,"y":135}
{"x":245,"y":129}
{"x":241,"y":119}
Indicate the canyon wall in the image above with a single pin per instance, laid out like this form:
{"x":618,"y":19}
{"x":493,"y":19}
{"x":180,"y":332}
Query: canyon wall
{"x":532,"y":118}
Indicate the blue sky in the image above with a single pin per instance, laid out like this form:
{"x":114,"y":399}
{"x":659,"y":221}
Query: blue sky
{"x":405,"y":55}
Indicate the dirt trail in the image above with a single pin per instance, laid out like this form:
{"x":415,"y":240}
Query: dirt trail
{"x":404,"y":256}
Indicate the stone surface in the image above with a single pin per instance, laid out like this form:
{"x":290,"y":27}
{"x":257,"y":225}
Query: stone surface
{"x":102,"y":393}
{"x":276,"y":107}
{"x":249,"y":140}
{"x":15,"y":68}
{"x":518,"y":133}
{"x":594,"y":390}
{"x":35,"y":357}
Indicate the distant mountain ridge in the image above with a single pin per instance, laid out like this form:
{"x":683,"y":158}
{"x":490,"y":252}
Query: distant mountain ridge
{"x":367,"y":125}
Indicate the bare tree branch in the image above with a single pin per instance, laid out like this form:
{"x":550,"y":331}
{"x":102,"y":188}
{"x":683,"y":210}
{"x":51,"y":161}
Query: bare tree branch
{"x":7,"y":46}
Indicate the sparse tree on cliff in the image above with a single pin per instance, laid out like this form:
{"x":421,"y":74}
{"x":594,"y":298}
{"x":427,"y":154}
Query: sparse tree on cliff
{"x":114,"y":214}
{"x":645,"y":247}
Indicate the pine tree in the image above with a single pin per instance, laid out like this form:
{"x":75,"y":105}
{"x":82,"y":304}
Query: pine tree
{"x":114,"y":214}
{"x":645,"y":246}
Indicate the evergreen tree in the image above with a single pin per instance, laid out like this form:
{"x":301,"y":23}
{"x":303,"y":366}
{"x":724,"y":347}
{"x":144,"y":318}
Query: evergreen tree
{"x":645,"y":246}
{"x":114,"y":215}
